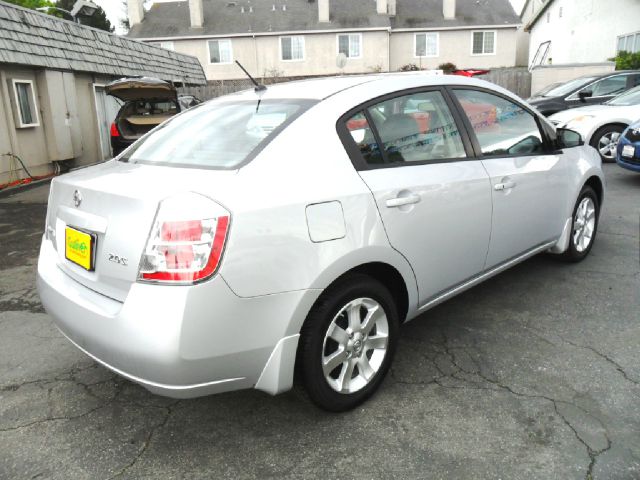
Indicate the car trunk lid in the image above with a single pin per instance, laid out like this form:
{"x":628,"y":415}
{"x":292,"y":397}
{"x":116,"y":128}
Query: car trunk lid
{"x":115,"y":204}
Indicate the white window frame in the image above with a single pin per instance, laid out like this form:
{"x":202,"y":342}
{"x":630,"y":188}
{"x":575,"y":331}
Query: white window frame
{"x":34,"y":107}
{"x":495,"y":42}
{"x":415,"y":45}
{"x":359,"y":35}
{"x":304,"y":48}
{"x":209,"y":51}
{"x":632,"y":34}
{"x":168,"y":45}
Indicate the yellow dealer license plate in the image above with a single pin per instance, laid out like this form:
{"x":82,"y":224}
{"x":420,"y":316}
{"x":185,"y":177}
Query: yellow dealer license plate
{"x":79,"y":247}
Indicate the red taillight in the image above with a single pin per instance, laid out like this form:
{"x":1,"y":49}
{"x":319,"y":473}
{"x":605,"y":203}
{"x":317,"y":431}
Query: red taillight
{"x":186,"y":231}
{"x":180,"y":255}
{"x":114,"y":130}
{"x":185,"y":251}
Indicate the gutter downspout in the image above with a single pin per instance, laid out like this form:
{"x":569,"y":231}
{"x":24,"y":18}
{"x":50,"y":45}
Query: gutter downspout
{"x":389,"y":49}
{"x":255,"y":54}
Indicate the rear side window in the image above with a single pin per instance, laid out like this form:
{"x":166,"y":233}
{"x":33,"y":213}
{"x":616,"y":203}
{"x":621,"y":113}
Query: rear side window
{"x":220,"y":134}
{"x":408,"y":129}
{"x":501,"y":126}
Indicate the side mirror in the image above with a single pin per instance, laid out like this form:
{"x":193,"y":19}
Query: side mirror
{"x":584,"y":95}
{"x":568,"y":138}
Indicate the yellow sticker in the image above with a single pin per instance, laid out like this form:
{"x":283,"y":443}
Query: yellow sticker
{"x":78,"y":247}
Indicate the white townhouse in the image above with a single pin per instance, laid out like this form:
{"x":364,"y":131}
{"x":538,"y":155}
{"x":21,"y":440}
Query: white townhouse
{"x":293,"y":38}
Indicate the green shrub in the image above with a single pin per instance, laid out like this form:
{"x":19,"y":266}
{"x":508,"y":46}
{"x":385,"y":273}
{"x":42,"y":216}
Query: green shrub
{"x":447,"y":67}
{"x":627,"y":60}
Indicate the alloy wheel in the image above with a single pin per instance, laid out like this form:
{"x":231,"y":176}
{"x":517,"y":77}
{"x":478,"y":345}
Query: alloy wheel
{"x":355,"y":345}
{"x":607,"y":144}
{"x":584,"y":224}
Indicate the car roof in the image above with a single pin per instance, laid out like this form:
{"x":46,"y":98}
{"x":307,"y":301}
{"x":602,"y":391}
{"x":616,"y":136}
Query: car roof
{"x":321,"y":88}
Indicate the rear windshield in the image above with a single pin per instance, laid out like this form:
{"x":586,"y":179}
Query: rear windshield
{"x":150,"y":107}
{"x":221,"y":134}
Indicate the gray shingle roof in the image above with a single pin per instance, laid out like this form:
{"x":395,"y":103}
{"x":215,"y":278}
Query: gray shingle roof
{"x":224,"y":17}
{"x":39,"y":40}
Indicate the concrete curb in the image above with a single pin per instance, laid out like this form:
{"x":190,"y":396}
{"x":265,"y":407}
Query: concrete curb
{"x":8,"y":192}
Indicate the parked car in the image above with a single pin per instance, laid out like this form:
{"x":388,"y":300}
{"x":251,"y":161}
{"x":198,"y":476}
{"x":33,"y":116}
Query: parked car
{"x":628,"y":148}
{"x":147,"y":103}
{"x":269,"y":231}
{"x":601,"y":125}
{"x":589,"y":90}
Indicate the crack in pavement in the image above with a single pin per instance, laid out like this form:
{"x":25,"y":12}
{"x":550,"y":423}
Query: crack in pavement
{"x":592,"y":453}
{"x":61,"y":377}
{"x":147,"y":441}
{"x":604,"y":356}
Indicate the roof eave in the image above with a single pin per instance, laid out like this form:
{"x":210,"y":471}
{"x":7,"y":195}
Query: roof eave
{"x":537,"y":16}
{"x":317,"y":32}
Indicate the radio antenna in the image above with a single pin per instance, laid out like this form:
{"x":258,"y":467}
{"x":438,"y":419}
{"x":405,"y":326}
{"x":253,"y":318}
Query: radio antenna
{"x":259,"y":87}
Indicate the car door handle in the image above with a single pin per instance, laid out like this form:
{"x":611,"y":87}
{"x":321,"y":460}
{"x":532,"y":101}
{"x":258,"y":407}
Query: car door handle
{"x":504,"y":185}
{"x":400,"y":201}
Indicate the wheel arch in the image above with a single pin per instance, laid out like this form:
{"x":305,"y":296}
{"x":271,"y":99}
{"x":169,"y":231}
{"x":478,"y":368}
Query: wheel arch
{"x":597,"y":185}
{"x":614,"y":123}
{"x":388,"y":276}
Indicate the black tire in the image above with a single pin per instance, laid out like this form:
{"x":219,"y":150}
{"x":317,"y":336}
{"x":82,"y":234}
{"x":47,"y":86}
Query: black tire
{"x":313,"y":349}
{"x":601,"y":132}
{"x":574,"y":253}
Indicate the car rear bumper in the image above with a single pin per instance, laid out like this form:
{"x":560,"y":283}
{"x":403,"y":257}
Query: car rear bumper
{"x":179,"y":341}
{"x":628,"y":163}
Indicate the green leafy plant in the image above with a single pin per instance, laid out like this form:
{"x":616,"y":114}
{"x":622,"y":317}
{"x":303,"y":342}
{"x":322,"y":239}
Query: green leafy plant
{"x":409,"y":67}
{"x":32,"y":3}
{"x":627,"y":60}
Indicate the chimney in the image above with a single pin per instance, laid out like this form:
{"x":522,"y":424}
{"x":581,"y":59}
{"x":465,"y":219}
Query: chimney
{"x":381,"y":7}
{"x":135,"y":12}
{"x":392,"y":7}
{"x":196,"y":13}
{"x":323,"y":11}
{"x":449,"y":9}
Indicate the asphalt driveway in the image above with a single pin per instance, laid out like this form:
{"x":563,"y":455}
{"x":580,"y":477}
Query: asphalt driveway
{"x":534,"y":374}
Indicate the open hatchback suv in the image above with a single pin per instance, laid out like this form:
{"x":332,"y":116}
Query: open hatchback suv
{"x":147,"y":103}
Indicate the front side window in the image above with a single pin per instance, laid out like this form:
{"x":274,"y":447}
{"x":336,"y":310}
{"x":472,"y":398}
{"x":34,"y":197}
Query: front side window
{"x":426,"y":44}
{"x":220,"y":51}
{"x":350,"y":44}
{"x":220,"y":134}
{"x":483,"y":43}
{"x":410,"y":128}
{"x":25,"y":103}
{"x":292,"y":48}
{"x":609,"y":86}
{"x":501,"y":126}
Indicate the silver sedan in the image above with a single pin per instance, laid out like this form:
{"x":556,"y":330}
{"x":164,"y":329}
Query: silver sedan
{"x":299,"y":226}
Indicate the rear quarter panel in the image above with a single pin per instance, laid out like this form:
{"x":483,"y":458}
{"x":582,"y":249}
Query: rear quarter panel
{"x":269,"y":248}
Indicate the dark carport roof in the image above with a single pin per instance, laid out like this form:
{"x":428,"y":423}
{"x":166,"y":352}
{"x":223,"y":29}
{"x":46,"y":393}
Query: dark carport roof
{"x":225,"y":17}
{"x":35,"y":39}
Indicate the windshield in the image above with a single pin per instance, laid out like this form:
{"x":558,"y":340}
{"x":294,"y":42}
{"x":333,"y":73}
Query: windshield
{"x":628,"y":98}
{"x":568,"y":87}
{"x":219,"y":134}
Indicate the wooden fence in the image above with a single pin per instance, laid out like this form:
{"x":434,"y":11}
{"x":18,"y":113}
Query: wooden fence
{"x":517,"y":80}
